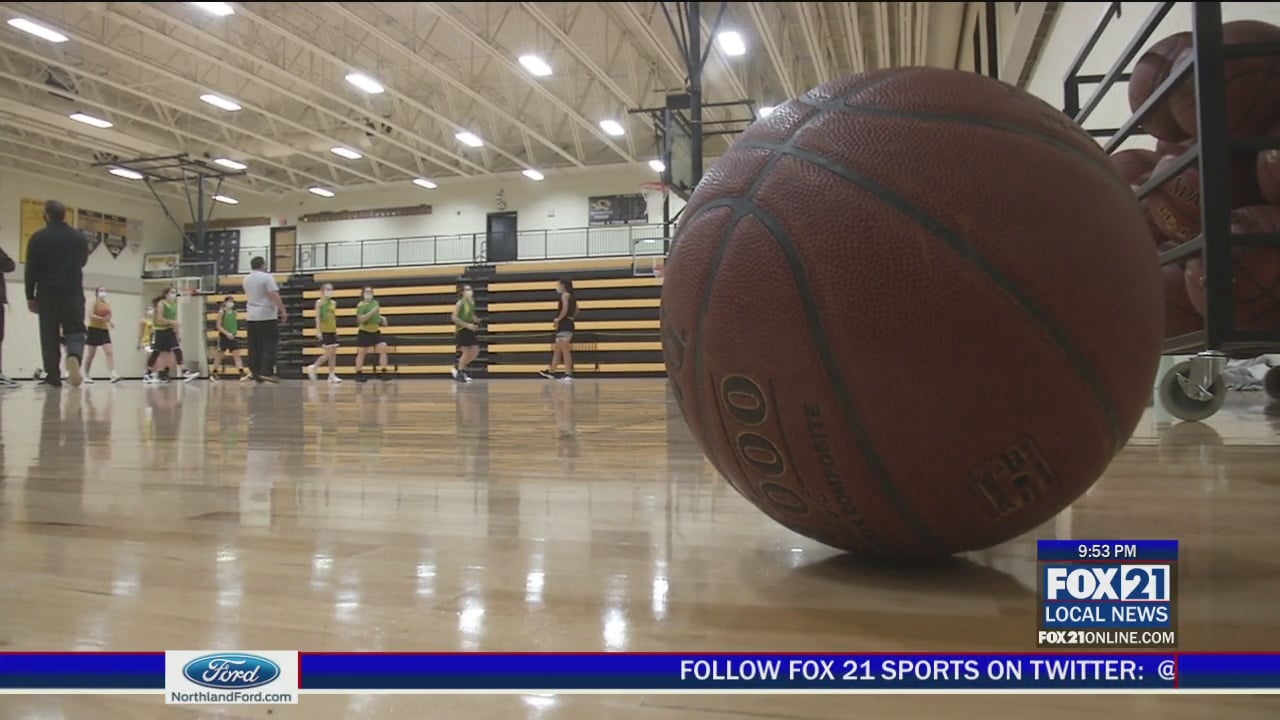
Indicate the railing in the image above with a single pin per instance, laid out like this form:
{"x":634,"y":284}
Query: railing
{"x":471,"y":248}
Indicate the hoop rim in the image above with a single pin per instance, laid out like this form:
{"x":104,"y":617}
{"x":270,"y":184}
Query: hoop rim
{"x":655,"y":186}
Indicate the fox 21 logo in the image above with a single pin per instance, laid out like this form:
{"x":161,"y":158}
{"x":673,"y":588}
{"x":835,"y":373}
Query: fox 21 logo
{"x":1124,"y":583}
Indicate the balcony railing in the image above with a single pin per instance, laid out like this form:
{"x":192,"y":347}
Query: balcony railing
{"x":470,"y":248}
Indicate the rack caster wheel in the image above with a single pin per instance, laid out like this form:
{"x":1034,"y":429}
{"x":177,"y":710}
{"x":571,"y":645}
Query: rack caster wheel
{"x":1271,"y":383}
{"x":1184,"y":396}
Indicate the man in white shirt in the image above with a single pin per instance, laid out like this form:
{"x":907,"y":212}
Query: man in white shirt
{"x":265,"y":311}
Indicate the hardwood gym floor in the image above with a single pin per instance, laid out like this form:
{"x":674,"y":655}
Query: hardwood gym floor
{"x":527,"y":515}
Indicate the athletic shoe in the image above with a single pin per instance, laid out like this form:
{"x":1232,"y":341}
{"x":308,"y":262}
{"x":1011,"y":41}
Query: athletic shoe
{"x":55,"y":384}
{"x":566,"y":378}
{"x":115,"y":377}
{"x":215,"y":377}
{"x":6,"y":381}
{"x":246,"y":377}
{"x":270,"y":379}
{"x":466,"y":376}
{"x":547,"y":374}
{"x":361,"y":377}
{"x":88,"y":380}
{"x":459,"y":377}
{"x":311,"y":372}
{"x":453,"y":371}
{"x":386,"y":377}
{"x":189,"y":375}
{"x":151,"y":379}
{"x":73,"y":371}
{"x":335,"y":379}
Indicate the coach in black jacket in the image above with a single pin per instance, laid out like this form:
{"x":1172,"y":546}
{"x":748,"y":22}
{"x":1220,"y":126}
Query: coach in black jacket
{"x":56,"y":256}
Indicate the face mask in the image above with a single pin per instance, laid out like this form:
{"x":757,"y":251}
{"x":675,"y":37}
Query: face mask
{"x":368,"y":296}
{"x":328,"y":292}
{"x":229,"y":305}
{"x":102,"y":293}
{"x":467,"y":294}
{"x":170,"y":296}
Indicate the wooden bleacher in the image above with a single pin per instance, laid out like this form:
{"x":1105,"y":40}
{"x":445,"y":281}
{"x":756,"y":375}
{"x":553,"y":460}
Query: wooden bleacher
{"x":617,"y":322}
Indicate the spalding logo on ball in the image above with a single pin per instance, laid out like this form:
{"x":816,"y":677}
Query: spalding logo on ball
{"x":911,"y":313}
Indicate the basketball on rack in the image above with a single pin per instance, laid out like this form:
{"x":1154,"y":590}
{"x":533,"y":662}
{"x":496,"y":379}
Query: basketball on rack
{"x":890,"y":349}
{"x":1180,"y":316}
{"x":1269,"y":170}
{"x":1174,"y":207}
{"x":1252,"y":84}
{"x":1152,"y":69}
{"x":1256,"y":281}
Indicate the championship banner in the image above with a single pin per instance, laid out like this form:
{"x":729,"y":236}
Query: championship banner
{"x":32,"y":219}
{"x":273,"y":677}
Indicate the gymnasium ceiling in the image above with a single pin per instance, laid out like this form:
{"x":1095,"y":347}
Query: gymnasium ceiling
{"x":446,"y":68}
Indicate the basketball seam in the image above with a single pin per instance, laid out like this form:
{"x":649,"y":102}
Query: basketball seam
{"x":971,"y":253}
{"x":982,"y":122}
{"x":743,"y":206}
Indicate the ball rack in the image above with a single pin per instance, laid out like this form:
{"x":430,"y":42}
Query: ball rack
{"x":1191,"y":390}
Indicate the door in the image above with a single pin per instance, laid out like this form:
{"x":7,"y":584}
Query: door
{"x":500,"y":240}
{"x":284,"y":249}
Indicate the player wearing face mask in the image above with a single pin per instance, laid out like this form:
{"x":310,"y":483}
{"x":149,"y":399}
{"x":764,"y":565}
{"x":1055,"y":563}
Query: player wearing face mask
{"x":99,"y":336}
{"x":369,"y":319}
{"x":166,"y":335}
{"x":464,"y":319}
{"x":327,"y":332}
{"x":228,"y":340}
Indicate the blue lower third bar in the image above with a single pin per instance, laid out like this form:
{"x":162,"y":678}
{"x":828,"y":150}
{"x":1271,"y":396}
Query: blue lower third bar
{"x":97,"y":671}
{"x":835,"y":673}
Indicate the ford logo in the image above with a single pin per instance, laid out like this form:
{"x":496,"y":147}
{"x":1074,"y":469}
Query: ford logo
{"x":231,"y":671}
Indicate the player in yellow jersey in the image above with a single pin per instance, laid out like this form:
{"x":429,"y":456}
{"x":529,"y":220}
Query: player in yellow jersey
{"x":99,"y":336}
{"x":146,"y":338}
{"x":369,"y":319}
{"x":228,"y":340}
{"x":327,"y":330}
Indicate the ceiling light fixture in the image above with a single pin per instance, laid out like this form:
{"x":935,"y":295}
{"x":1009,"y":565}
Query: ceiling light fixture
{"x":230,"y":164}
{"x":657,"y":165}
{"x":220,"y":9}
{"x":40,"y":31}
{"x":469,"y":139}
{"x":731,"y":43}
{"x":532,"y":174}
{"x":321,"y":192}
{"x":425,"y":183}
{"x":535,"y":65}
{"x":226,"y":199}
{"x":90,"y":120}
{"x":125,"y":173}
{"x":613,"y":127}
{"x":220,"y":102}
{"x":345,"y":152}
{"x":365,"y":83}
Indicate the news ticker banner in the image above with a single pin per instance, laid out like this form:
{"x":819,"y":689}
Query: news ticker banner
{"x":274,"y":677}
{"x":1107,"y":594}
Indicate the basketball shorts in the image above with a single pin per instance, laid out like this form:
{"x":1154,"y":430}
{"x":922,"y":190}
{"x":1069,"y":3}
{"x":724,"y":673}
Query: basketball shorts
{"x":329,"y":339}
{"x":564,"y":336}
{"x":366,"y":339}
{"x":97,"y":337}
{"x":165,"y":340}
{"x":228,"y":344}
{"x":466,"y":338}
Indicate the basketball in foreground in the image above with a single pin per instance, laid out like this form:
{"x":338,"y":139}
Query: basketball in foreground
{"x":912,"y":313}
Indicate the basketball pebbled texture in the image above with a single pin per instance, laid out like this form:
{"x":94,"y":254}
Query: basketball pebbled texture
{"x":912,"y":313}
{"x":1252,"y":84}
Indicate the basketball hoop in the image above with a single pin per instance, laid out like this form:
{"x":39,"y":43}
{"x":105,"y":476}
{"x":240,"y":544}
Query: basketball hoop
{"x":655,"y":187}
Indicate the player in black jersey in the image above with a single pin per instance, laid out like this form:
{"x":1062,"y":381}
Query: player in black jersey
{"x":562,"y":351}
